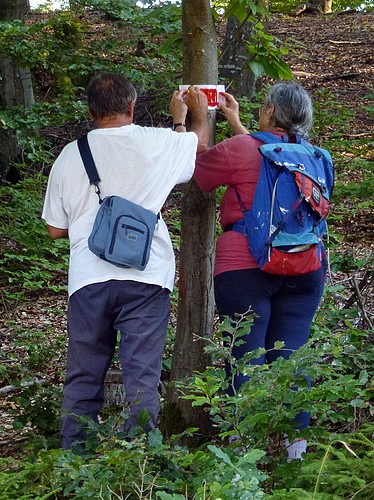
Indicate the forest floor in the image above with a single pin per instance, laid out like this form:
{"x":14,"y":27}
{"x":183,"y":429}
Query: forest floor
{"x":331,"y":53}
{"x":334,"y":54}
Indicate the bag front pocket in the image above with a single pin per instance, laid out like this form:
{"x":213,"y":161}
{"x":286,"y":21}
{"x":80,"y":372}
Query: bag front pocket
{"x":129,"y":245}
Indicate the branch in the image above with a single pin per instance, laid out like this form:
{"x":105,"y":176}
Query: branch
{"x":13,"y":441}
{"x":357,"y":296}
{"x":366,"y":280}
{"x":347,"y":41}
{"x":345,"y":76}
{"x":358,"y":135}
{"x":11,"y":388}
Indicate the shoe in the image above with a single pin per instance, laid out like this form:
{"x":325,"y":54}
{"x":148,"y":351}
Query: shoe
{"x":296,"y":449}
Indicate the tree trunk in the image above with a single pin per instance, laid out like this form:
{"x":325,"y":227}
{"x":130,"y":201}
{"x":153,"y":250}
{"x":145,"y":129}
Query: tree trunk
{"x":196,"y":302}
{"x":234,"y":60}
{"x":15,"y":84}
{"x":13,"y":9}
{"x":15,"y":88}
{"x":233,"y":63}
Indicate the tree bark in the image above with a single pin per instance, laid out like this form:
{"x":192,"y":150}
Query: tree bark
{"x":234,"y":61}
{"x":15,"y":88}
{"x":196,"y":302}
{"x":13,"y":9}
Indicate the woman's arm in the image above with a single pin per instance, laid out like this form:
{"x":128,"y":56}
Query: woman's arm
{"x":230,"y":107}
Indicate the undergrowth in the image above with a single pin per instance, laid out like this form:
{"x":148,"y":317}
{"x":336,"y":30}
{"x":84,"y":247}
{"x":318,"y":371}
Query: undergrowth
{"x":254,"y":466}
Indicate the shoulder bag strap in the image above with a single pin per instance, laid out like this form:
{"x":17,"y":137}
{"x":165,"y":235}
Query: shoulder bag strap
{"x":89,"y":163}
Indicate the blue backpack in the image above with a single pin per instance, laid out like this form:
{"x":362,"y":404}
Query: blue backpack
{"x":287,"y":220}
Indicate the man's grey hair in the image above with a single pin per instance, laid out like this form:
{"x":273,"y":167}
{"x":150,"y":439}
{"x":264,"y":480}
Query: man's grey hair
{"x":293,"y":109}
{"x":110,"y":94}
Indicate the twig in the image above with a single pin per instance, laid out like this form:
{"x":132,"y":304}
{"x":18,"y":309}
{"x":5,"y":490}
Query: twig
{"x":11,"y":388}
{"x":345,"y":76}
{"x":366,"y":279}
{"x":347,"y":41}
{"x":236,"y":33}
{"x":360,"y":302}
{"x":4,"y":303}
{"x":359,"y":491}
{"x":13,"y":441}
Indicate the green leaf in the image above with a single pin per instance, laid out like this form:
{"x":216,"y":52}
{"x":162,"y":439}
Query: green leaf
{"x":257,"y":68}
{"x":143,"y":418}
{"x":251,"y":457}
{"x":199,"y":401}
{"x":357,"y":402}
{"x":165,"y":47}
{"x":284,"y":70}
{"x":220,"y":454}
{"x":155,"y":438}
{"x":240,"y":9}
{"x":168,"y":496}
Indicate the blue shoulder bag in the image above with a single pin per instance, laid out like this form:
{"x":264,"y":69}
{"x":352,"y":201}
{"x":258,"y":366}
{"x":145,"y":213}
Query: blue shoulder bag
{"x":123,"y":231}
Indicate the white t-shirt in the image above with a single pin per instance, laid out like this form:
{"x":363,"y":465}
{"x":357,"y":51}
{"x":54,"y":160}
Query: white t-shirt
{"x":141,"y":164}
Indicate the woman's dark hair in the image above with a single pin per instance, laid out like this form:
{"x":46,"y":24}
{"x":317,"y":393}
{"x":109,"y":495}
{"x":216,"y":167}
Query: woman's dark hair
{"x":109,"y":94}
{"x":293,"y":109}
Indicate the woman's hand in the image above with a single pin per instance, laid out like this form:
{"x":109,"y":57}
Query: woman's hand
{"x":228,"y":104}
{"x":230,"y":107}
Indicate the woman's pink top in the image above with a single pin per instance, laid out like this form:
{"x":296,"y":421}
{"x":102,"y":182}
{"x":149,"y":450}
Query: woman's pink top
{"x":236,"y":163}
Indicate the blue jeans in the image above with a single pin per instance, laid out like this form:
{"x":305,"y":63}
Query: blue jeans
{"x":285,"y":306}
{"x":140,"y":312}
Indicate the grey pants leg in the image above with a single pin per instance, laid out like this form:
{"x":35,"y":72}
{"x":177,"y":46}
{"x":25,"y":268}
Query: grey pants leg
{"x":140,"y":312}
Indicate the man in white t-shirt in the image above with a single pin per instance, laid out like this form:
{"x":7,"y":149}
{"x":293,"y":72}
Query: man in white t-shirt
{"x":142,"y":164}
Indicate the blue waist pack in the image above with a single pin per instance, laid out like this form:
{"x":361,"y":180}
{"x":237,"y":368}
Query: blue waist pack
{"x":123,"y":231}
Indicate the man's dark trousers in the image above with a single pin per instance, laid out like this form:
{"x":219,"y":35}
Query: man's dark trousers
{"x":140,"y":313}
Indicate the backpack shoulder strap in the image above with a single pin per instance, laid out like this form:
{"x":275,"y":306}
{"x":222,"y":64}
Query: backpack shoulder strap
{"x":269,"y":138}
{"x":89,"y":164}
{"x":266,"y":137}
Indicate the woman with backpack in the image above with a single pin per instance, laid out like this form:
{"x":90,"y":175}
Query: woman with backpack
{"x":283,"y":304}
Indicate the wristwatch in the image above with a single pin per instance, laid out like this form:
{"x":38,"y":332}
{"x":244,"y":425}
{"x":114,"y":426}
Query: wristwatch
{"x":175,"y":125}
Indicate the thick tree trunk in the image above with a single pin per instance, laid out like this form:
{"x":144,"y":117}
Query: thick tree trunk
{"x":15,"y":87}
{"x":13,"y":9}
{"x":234,"y":61}
{"x":196,"y":302}
{"x":15,"y":84}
